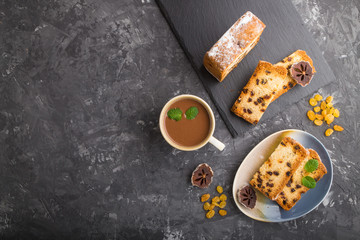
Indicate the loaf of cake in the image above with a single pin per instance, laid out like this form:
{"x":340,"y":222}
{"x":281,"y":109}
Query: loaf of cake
{"x":291,"y":193}
{"x":233,"y":46}
{"x":287,"y":62}
{"x":276,"y":172}
{"x":259,"y":92}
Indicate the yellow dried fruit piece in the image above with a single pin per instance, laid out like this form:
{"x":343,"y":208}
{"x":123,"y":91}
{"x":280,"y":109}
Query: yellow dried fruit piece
{"x":320,"y":117}
{"x":332,"y":110}
{"x":329,"y":105}
{"x":215,"y":199}
{"x":317,"y":109}
{"x":328,"y":132}
{"x":323,"y":105}
{"x":329,"y":99}
{"x":329,"y":118}
{"x":338,"y":128}
{"x":318,"y":122}
{"x":206,"y":206}
{"x":324,"y":113}
{"x":336,"y":113}
{"x":222,"y":212}
{"x":205,"y":197}
{"x":318,"y":97}
{"x":311,"y":115}
{"x":212,"y":206}
{"x":210,"y":214}
{"x":219,"y":189}
{"x":222,"y":204}
{"x":223,"y":197}
{"x":312,"y":102}
{"x":216,"y":204}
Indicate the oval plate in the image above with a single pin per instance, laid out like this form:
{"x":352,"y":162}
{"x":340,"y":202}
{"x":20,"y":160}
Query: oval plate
{"x":269,"y":211}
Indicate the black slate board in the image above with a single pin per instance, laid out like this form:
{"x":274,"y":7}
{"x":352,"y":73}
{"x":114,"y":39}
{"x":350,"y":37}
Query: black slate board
{"x":198,"y":24}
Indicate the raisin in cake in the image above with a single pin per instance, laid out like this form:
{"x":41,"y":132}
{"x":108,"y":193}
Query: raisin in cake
{"x":259,"y":92}
{"x":272,"y":176}
{"x":292,"y":191}
{"x":234,"y":45}
{"x":287,"y":62}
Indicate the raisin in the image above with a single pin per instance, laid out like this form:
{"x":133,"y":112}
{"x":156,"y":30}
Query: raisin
{"x":252,"y":93}
{"x":249,"y":100}
{"x":223,"y":197}
{"x":222,"y":212}
{"x":291,"y":85}
{"x":257,"y":81}
{"x":292,"y":190}
{"x":338,"y":128}
{"x":215,"y":199}
{"x":205,"y":197}
{"x":249,"y":111}
{"x":298,"y":186}
{"x":288,"y":173}
{"x":206,"y":206}
{"x":210,"y":214}
{"x":276,"y":173}
{"x":282,"y":143}
{"x":288,"y":164}
{"x":284,"y":87}
{"x":269,"y":172}
{"x":297,"y":147}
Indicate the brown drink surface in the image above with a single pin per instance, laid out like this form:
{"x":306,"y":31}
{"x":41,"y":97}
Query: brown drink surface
{"x":188,"y":132}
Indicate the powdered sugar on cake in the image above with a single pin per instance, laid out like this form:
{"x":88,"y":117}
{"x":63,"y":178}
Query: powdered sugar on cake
{"x":234,"y":43}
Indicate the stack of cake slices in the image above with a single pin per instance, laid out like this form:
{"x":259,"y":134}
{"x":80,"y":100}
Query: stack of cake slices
{"x":280,"y":177}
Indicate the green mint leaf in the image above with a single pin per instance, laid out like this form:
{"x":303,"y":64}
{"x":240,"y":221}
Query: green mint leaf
{"x":311,"y":165}
{"x":308,"y":182}
{"x":175,"y":114}
{"x":191,"y":113}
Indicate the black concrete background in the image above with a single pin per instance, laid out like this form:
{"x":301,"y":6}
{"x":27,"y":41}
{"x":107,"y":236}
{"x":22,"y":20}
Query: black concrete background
{"x":82,"y":84}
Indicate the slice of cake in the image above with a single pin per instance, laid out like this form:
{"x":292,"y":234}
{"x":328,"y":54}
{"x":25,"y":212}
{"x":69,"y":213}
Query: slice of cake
{"x":292,"y":191}
{"x":272,"y":176}
{"x":259,"y":92}
{"x":289,"y":82}
{"x":234,"y":45}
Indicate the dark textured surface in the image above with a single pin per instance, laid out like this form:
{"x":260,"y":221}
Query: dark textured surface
{"x":197,"y":31}
{"x":81,"y":155}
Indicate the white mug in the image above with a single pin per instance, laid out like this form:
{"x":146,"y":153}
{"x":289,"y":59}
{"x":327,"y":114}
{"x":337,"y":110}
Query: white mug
{"x":219,"y":145}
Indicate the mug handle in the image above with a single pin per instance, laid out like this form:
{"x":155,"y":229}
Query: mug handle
{"x":219,"y":145}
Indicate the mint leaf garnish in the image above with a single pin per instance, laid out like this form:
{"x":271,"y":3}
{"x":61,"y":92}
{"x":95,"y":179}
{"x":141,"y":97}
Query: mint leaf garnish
{"x":311,"y":165}
{"x":175,"y":114}
{"x":308,"y":182}
{"x":191,"y":113}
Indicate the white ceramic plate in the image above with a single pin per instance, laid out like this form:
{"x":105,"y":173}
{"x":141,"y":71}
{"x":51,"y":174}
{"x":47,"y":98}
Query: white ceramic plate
{"x":267,"y":210}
